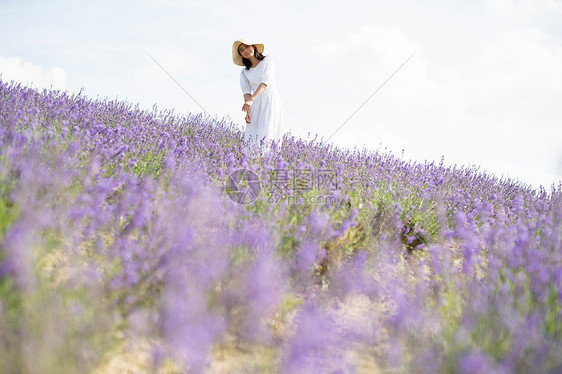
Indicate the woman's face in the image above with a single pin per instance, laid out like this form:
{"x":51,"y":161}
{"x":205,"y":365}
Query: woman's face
{"x":246,"y":51}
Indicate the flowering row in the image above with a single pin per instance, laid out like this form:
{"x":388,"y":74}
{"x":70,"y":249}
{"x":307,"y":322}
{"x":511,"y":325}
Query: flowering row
{"x":124,"y":222}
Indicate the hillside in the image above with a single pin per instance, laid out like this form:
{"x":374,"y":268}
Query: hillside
{"x":128,"y":243}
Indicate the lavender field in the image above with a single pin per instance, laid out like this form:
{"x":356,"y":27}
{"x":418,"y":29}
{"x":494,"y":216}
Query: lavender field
{"x":128,"y":244}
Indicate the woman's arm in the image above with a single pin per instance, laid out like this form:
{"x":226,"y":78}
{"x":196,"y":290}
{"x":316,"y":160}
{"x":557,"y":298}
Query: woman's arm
{"x":248,"y":115}
{"x":249,"y":99}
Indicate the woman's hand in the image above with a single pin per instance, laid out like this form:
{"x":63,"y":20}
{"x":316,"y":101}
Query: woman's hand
{"x":247,"y":104}
{"x":248,"y":117}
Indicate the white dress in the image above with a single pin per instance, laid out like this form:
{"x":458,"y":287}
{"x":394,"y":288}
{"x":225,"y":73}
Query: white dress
{"x":266,"y":110}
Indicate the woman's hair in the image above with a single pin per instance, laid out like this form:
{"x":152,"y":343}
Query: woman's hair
{"x":247,"y":63}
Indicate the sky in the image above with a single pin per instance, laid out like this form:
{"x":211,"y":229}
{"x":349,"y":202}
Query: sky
{"x":483,"y":86}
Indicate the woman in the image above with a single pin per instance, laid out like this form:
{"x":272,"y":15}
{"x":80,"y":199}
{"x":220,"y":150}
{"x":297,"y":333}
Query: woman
{"x":262,"y":104}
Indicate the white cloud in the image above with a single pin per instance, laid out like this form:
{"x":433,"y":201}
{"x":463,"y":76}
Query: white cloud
{"x":509,"y":118}
{"x":371,"y":52}
{"x":526,"y":9}
{"x":522,"y":68}
{"x":27,"y":73}
{"x":498,"y":108}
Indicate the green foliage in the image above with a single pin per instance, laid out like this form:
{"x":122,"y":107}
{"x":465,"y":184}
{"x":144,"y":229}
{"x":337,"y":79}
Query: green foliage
{"x":9,"y":213}
{"x":553,"y":314}
{"x":149,"y":163}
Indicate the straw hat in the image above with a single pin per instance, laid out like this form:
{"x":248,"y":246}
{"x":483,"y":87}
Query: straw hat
{"x":236,"y":56}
